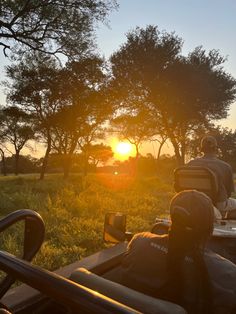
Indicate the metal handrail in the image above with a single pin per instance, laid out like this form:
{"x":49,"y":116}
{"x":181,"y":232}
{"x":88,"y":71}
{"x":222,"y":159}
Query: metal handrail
{"x":67,"y":292}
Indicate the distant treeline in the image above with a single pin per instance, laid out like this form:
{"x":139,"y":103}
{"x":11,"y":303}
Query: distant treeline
{"x":144,"y":166}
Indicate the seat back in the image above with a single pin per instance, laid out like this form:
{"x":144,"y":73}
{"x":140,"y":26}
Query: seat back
{"x":132,"y":298}
{"x":196,"y":178}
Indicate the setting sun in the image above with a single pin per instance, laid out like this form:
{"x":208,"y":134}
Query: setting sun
{"x":123,"y":148}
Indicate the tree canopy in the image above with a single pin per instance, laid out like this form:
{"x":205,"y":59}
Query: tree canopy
{"x":67,"y":103}
{"x":181,"y":92}
{"x":52,"y":26}
{"x":16,"y":130}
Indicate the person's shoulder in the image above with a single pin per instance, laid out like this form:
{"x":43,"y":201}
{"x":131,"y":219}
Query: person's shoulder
{"x":145,"y":237}
{"x":193,"y":161}
{"x":225,"y":164}
{"x":219,"y":264}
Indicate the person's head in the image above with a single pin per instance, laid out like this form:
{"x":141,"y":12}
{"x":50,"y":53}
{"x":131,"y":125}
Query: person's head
{"x":192,"y":215}
{"x":208,"y":145}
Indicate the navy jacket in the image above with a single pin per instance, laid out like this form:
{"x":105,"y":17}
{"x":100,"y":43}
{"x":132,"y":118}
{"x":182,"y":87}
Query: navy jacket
{"x":144,"y":268}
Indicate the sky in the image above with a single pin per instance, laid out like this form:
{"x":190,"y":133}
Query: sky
{"x":207,"y":23}
{"x":210,"y":23}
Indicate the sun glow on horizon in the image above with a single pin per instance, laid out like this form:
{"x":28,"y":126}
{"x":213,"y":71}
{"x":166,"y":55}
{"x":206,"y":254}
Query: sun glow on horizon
{"x":122,"y":150}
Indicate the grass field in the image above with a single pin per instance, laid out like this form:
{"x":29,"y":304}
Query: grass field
{"x":74,"y":210}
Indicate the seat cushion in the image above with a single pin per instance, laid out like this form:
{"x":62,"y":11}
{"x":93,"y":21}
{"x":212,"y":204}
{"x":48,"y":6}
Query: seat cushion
{"x":125,"y":295}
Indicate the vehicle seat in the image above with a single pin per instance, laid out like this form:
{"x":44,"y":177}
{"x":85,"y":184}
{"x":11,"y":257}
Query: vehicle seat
{"x":125,"y":295}
{"x":196,"y":178}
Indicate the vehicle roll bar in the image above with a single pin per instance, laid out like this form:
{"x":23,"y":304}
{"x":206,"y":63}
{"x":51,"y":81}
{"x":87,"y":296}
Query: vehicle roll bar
{"x":67,"y":292}
{"x":33,"y":237}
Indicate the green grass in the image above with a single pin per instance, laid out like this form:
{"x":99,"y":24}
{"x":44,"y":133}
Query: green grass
{"x":74,"y":209}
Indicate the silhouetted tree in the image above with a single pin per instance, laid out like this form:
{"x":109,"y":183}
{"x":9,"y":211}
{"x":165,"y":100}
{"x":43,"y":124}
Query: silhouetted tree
{"x":80,"y":122}
{"x":67,"y":103}
{"x":3,"y":161}
{"x":33,"y":88}
{"x":99,"y":153}
{"x":180,"y":92}
{"x":135,"y":128}
{"x":17,"y":130}
{"x":226,"y":140}
{"x":3,"y":148}
{"x":161,"y":140}
{"x":26,"y":164}
{"x":52,"y":26}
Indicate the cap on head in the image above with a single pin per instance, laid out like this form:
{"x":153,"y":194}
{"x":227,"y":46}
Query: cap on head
{"x":192,"y":211}
{"x":208,"y":144}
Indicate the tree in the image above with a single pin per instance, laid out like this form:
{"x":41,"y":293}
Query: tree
{"x":3,"y":148}
{"x":134,"y":128}
{"x":33,"y":88}
{"x":17,"y":130}
{"x":3,"y":156}
{"x":66,"y":102}
{"x":180,"y":92}
{"x":51,"y":26}
{"x":198,"y":91}
{"x":99,"y":153}
{"x":226,"y":140}
{"x":80,"y":121}
{"x":27,"y":164}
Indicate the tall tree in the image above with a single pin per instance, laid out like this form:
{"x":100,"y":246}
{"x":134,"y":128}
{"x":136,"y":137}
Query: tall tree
{"x":181,"y":92}
{"x":51,"y":26}
{"x":3,"y":148}
{"x":33,"y":88}
{"x":80,"y":121}
{"x":198,"y":91}
{"x":17,"y":130}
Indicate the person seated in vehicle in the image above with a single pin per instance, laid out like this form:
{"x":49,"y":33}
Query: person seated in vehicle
{"x":176,"y":267}
{"x":222,"y":170}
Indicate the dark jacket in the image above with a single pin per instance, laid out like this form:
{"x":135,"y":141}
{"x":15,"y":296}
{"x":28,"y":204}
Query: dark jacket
{"x":222,"y":170}
{"x":144,"y":268}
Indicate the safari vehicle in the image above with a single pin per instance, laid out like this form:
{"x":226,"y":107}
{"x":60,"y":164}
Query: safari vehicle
{"x":94,"y":284}
{"x":47,"y":292}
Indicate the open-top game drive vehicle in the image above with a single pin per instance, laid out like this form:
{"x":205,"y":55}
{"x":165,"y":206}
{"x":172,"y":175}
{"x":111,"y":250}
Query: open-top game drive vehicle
{"x":94,"y":284}
{"x":54,"y":293}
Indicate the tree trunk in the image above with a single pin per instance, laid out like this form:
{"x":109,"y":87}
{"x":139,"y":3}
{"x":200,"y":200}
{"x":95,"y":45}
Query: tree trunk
{"x":45,"y":159}
{"x":85,"y":164}
{"x":67,"y":166}
{"x":160,"y":148}
{"x":17,"y":156}
{"x":172,"y":138}
{"x":177,"y":152}
{"x":4,"y":169}
{"x":183,"y":152}
{"x":69,"y":159}
{"x":135,"y":168}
